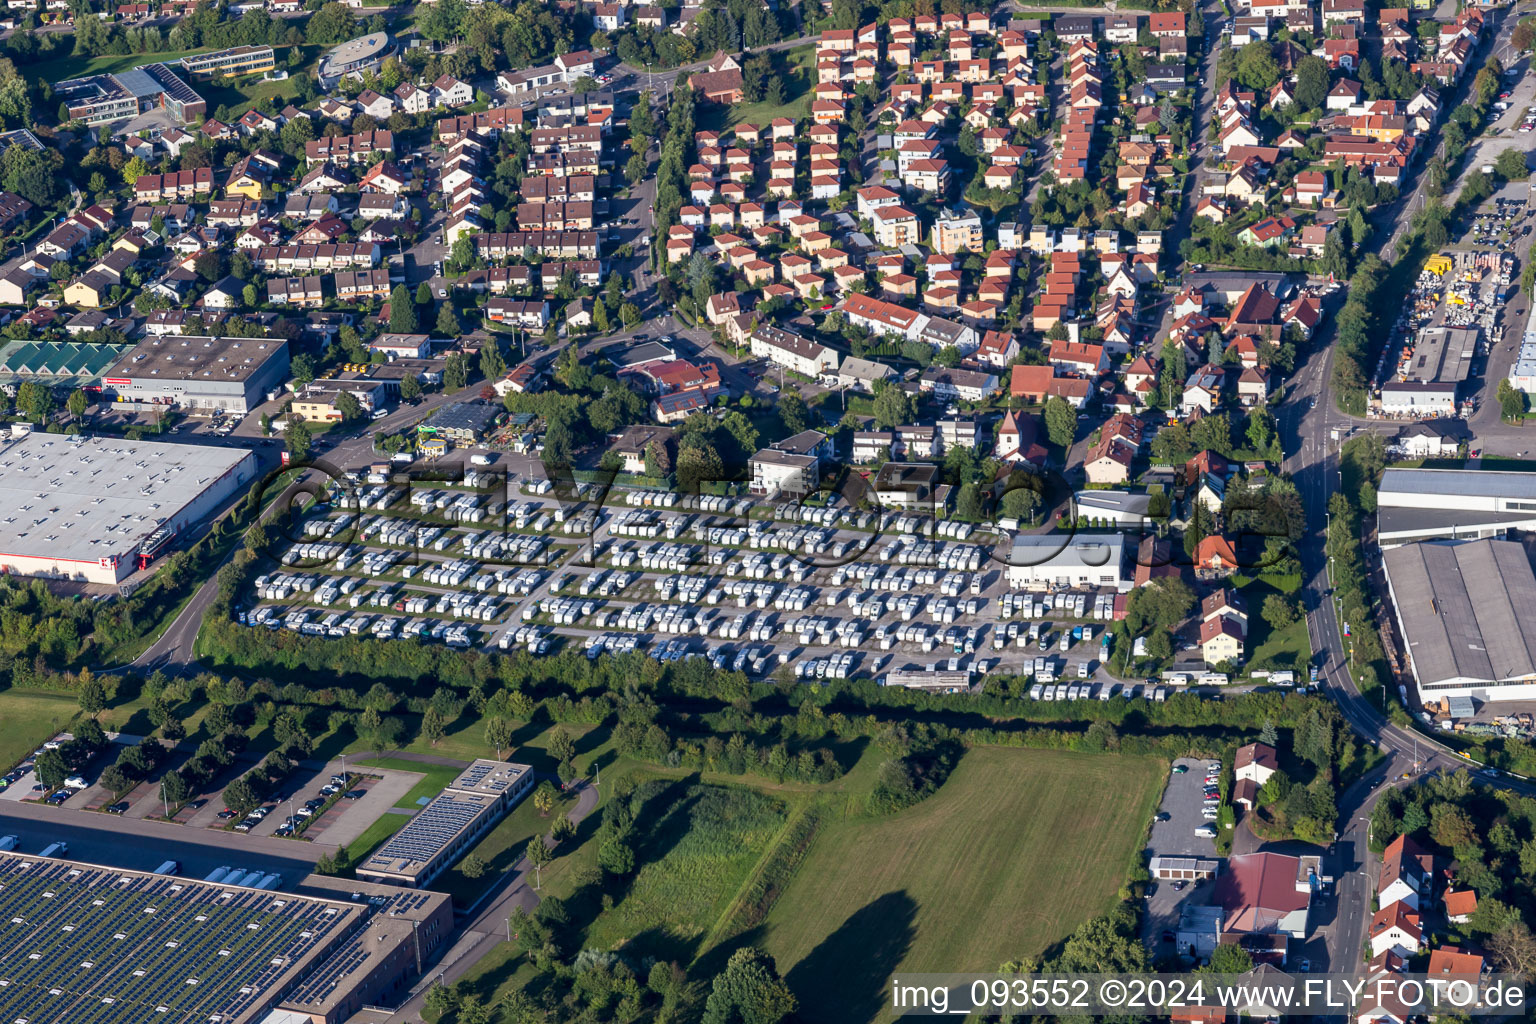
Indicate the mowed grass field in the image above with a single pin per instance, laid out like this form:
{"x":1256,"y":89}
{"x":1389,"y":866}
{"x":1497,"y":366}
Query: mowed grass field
{"x":1015,"y":850}
{"x":27,"y":719}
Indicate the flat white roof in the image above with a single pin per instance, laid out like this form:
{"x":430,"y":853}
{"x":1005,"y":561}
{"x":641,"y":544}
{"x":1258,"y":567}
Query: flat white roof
{"x":85,"y":498}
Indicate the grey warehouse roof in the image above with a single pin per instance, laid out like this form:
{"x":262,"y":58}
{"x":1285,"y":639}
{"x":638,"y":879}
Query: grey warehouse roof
{"x":1066,"y":551}
{"x":94,"y":497}
{"x":1453,"y":635}
{"x":1461,"y":482}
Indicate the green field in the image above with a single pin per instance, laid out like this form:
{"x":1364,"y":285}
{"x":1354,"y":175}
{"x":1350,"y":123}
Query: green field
{"x":700,"y":844}
{"x":1288,"y":648}
{"x":31,"y":718}
{"x":799,"y":75}
{"x":78,"y":67}
{"x":1016,"y":850}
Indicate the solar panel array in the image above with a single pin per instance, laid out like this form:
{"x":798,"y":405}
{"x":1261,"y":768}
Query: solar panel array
{"x":87,"y":945}
{"x":473,"y":775}
{"x":430,"y":831}
{"x":340,"y":965}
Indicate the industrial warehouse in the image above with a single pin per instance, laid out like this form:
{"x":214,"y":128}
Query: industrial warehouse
{"x":1425,"y":504}
{"x":97,"y":509}
{"x":200,"y":373}
{"x":1464,"y":611}
{"x":80,"y":942}
{"x":444,"y":829}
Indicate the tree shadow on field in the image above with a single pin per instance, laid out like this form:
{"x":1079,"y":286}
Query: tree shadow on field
{"x":842,"y":980}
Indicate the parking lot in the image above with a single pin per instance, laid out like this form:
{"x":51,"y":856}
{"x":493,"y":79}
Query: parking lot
{"x":313,"y":797}
{"x":829,"y":591}
{"x":1173,"y":835}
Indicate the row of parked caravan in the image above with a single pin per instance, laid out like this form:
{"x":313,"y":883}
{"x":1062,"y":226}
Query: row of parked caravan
{"x":826,"y":631}
{"x":652,"y":499}
{"x":645,"y":526}
{"x":717,"y":503}
{"x":378,"y":498}
{"x":1100,"y":607}
{"x":670,"y":557}
{"x":746,"y":659}
{"x":926,"y":526}
{"x":607,"y":582}
{"x":919,"y":551}
{"x":536,"y":639}
{"x":456,"y":506}
{"x":761,"y":566}
{"x":328,"y":528}
{"x":521,"y":582}
{"x":687,"y":589}
{"x":611,"y":643}
{"x":746,"y":592}
{"x":562,"y":611}
{"x":835,"y":667}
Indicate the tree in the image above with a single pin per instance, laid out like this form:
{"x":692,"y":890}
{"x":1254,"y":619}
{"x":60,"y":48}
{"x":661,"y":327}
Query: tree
{"x":76,"y":403}
{"x":492,"y":365}
{"x":537,"y":853}
{"x":174,"y":789}
{"x":455,"y":372}
{"x":240,"y":797}
{"x":402,"y":311}
{"x":298,"y":440}
{"x":893,"y":406}
{"x":1311,"y":83}
{"x":1511,"y":165}
{"x":441,"y":999}
{"x":1513,"y":948}
{"x":1257,"y":68}
{"x":332,"y":23}
{"x":968,"y":504}
{"x":50,"y":769}
{"x":302,"y":367}
{"x":1279,"y":612}
{"x":1060,"y":422}
{"x":1230,"y":958}
{"x":629,"y":313}
{"x":561,"y":746}
{"x":34,"y":400}
{"x":498,"y":734}
{"x":433,"y":727}
{"x":1512,"y":400}
{"x":473,"y":866}
{"x":1523,"y":36}
{"x":116,"y":779}
{"x":792,"y":411}
{"x":749,"y":991}
{"x":447,"y":321}
{"x":544,"y":799}
{"x":92,"y":696}
{"x":350,"y":408}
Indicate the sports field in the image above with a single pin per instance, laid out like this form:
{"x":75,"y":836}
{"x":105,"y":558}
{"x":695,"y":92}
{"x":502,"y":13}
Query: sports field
{"x":1013,"y":852}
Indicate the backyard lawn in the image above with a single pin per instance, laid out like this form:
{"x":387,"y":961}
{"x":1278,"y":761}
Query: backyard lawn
{"x":1016,"y":850}
{"x":1287,"y":648}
